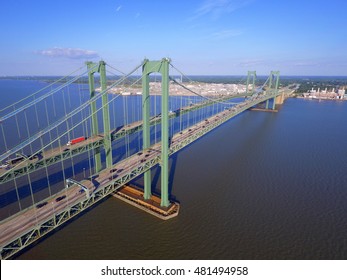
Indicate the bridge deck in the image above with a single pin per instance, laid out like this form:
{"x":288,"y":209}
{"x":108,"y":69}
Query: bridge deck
{"x":25,"y":227}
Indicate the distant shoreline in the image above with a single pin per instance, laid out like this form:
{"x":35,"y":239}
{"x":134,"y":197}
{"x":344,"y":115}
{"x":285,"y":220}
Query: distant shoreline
{"x":321,"y":98}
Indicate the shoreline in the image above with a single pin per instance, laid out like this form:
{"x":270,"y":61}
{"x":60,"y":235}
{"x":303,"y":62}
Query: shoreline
{"x":321,"y":98}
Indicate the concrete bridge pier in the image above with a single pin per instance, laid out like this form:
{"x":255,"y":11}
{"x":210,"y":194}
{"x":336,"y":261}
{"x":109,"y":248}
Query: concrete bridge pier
{"x":279,"y":99}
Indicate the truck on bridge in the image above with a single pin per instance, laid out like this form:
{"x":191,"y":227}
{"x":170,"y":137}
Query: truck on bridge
{"x":76,"y":140}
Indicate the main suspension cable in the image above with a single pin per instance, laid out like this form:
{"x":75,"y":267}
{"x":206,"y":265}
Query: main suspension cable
{"x":43,"y":97}
{"x":42,"y":89}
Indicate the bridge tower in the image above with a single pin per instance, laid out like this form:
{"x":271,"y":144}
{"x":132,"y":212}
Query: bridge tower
{"x":101,"y":69}
{"x":273,"y":87}
{"x":251,"y":77}
{"x":161,"y":67}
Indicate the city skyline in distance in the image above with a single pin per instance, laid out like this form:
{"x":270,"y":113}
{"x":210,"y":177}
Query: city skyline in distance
{"x":209,"y":37}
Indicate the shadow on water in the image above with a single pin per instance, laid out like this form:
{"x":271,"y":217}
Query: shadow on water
{"x":173,"y":158}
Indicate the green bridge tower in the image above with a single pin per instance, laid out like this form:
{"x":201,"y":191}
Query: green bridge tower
{"x":251,"y":77}
{"x":101,"y":69}
{"x":273,"y":87}
{"x":161,"y":67}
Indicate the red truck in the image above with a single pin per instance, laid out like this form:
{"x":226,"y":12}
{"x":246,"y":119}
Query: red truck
{"x":76,"y":140}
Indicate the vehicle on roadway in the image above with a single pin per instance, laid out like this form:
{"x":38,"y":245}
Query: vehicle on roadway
{"x":40,"y":205}
{"x":60,"y":198}
{"x":76,"y":140}
{"x":15,"y":160}
{"x":4,"y":165}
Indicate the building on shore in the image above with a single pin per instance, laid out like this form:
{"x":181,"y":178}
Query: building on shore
{"x":209,"y":89}
{"x":326,"y":94}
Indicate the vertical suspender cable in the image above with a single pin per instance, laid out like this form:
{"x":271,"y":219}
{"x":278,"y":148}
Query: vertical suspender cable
{"x":62,"y":162}
{"x":70,"y":108}
{"x":89,"y":151}
{"x":17,"y":125}
{"x":37,"y":115}
{"x":128,"y":135}
{"x":47,"y":173}
{"x":27,"y":126}
{"x":3,"y":135}
{"x":114,"y":114}
{"x":31,"y":151}
{"x":67,"y":121}
{"x":126,"y":121}
{"x":182,"y":118}
{"x":84,"y":132}
{"x":17,"y":193}
{"x":54,"y":110}
{"x":31,"y":189}
{"x":155,"y":110}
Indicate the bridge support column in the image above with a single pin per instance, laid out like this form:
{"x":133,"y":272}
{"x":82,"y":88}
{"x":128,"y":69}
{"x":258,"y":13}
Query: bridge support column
{"x":251,"y":75}
{"x":146,"y":134}
{"x":273,"y":88}
{"x":276,"y":75}
{"x":101,"y":68}
{"x":270,"y":84}
{"x":161,"y":67}
{"x":95,"y":126}
{"x":106,"y":115}
{"x":165,"y":134}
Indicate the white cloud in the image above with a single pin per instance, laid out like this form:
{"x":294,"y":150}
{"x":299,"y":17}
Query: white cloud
{"x":73,"y":53}
{"x":118,"y":8}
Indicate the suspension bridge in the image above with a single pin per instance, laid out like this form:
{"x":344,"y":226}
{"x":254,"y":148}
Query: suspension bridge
{"x":71,"y":144}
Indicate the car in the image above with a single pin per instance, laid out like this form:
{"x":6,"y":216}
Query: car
{"x":40,"y":205}
{"x":60,"y":198}
{"x":15,"y":160}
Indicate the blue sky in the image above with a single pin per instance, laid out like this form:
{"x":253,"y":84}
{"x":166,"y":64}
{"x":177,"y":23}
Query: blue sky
{"x":220,"y":37}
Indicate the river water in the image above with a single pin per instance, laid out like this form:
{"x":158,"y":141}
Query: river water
{"x":261,"y":186}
